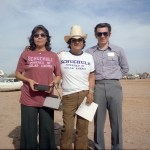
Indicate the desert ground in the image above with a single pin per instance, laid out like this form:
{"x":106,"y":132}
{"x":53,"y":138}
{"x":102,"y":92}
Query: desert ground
{"x":136,"y":118}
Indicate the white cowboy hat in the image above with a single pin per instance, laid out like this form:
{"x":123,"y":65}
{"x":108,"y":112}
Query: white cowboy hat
{"x":76,"y":32}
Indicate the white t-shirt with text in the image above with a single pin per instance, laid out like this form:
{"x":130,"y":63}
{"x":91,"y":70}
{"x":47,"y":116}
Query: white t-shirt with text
{"x":75,"y":71}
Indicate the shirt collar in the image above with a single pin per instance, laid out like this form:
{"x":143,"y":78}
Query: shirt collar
{"x":76,"y":54}
{"x":109,"y":47}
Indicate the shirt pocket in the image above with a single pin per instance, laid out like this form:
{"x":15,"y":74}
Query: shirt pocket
{"x":112,"y":60}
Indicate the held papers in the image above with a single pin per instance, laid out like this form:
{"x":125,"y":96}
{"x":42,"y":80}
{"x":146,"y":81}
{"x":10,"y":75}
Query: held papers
{"x":87,"y":111}
{"x":52,"y":102}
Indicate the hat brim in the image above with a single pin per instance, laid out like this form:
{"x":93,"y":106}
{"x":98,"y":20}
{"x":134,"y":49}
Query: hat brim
{"x":68,"y":37}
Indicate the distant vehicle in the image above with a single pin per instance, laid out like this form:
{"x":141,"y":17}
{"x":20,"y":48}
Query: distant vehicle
{"x":1,"y":73}
{"x":131,"y":77}
{"x":142,"y":77}
{"x":10,"y":84}
{"x":124,"y":77}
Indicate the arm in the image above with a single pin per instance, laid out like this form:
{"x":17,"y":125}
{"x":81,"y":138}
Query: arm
{"x":56,"y":81}
{"x":20,"y":76}
{"x":90,"y":96}
{"x":123,"y":63}
{"x":57,"y":72}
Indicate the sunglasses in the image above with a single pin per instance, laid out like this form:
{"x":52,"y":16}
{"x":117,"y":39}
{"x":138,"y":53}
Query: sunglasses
{"x":99,"y":34}
{"x":43,"y":35}
{"x":77,"y":40}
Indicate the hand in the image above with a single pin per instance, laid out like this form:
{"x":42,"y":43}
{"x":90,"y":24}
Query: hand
{"x":31,"y":83}
{"x":90,"y":98}
{"x":60,"y":52}
{"x":51,"y":85}
{"x":55,"y":82}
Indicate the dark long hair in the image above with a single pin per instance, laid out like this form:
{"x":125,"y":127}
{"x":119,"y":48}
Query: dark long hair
{"x":31,"y":39}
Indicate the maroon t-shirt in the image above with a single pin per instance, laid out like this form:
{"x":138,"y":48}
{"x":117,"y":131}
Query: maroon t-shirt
{"x":41,"y":67}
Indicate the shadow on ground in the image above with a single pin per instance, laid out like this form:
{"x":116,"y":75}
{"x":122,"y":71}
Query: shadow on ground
{"x":15,"y":135}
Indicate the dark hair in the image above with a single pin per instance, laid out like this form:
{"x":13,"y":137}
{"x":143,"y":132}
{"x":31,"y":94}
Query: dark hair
{"x":31,"y":39}
{"x":102,"y":25}
{"x":69,"y":42}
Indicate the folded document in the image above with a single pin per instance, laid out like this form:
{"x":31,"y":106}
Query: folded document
{"x":52,"y":102}
{"x":87,"y":111}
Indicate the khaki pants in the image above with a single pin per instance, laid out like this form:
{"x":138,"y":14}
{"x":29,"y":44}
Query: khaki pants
{"x":70,"y":104}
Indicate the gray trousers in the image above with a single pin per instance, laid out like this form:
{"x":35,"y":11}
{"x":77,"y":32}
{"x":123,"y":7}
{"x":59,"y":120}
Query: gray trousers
{"x":108,"y":96}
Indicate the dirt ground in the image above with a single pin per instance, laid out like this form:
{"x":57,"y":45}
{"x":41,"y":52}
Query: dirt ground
{"x":136,"y":118}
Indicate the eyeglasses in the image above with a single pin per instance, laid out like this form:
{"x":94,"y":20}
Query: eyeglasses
{"x":99,"y":34}
{"x":76,"y":40}
{"x":43,"y":35}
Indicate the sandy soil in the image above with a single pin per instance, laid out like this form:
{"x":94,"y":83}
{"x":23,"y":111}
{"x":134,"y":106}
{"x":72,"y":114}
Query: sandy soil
{"x":136,"y":118}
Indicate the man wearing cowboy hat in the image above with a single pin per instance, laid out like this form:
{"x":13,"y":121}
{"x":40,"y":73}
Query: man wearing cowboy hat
{"x":78,"y":81}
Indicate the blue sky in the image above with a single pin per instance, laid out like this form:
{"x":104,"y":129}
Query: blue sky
{"x":130,"y":20}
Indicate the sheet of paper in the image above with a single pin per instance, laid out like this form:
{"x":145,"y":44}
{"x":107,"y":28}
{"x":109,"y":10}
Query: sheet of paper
{"x":87,"y":111}
{"x":52,"y":102}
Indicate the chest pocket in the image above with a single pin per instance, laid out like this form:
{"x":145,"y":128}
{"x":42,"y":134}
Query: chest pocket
{"x":112,"y":59}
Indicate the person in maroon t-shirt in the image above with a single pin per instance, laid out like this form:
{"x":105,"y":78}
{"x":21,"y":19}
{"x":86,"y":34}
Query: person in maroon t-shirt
{"x":38,"y":65}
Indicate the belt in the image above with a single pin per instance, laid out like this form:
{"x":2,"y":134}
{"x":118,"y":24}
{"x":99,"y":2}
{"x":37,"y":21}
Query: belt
{"x":106,"y":80}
